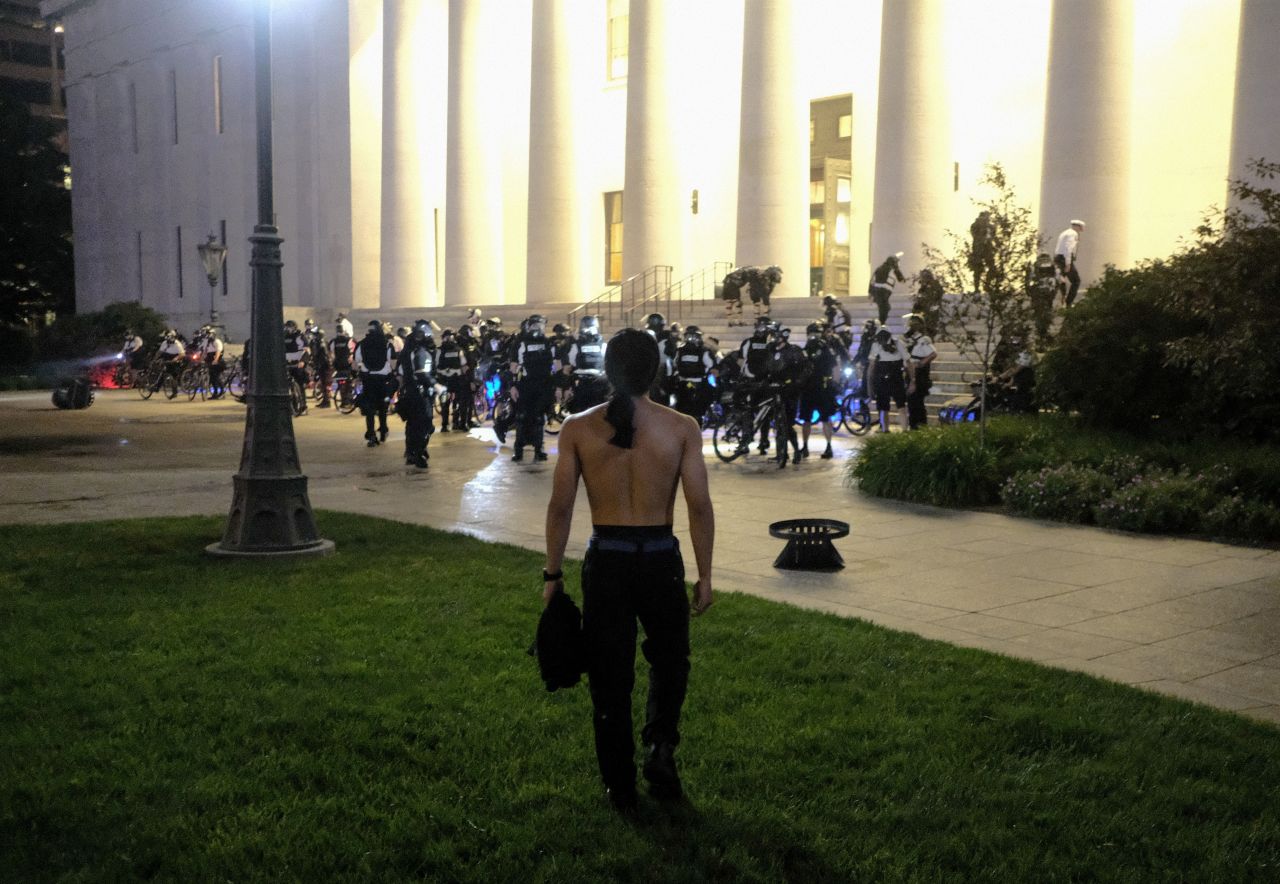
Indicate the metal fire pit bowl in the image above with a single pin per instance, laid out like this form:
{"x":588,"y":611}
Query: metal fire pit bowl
{"x":809,"y":546}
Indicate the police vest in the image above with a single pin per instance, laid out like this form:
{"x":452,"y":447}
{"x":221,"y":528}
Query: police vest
{"x":373,"y":354}
{"x":757,"y":356}
{"x":535,"y":357}
{"x":590,"y":353}
{"x":418,"y":359}
{"x":822,"y":357}
{"x":690,"y":364}
{"x":450,"y":360}
{"x":294,"y":344}
{"x":341,"y":352}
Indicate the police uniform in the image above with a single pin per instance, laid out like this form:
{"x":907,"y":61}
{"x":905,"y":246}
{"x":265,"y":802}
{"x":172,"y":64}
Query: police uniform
{"x":818,"y":399}
{"x":919,"y":348}
{"x":416,"y":367}
{"x":586,"y":357}
{"x":693,"y":363}
{"x":320,"y":360}
{"x":788,"y":368}
{"x":881,"y":287}
{"x":755,"y":361}
{"x":213,"y":358}
{"x":451,"y":371}
{"x":374,"y":359}
{"x":295,"y":357}
{"x":889,"y":381}
{"x":731,"y":291}
{"x":534,"y":356}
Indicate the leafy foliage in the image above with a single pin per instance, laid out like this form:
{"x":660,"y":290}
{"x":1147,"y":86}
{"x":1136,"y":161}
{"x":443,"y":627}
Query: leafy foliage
{"x":36,"y":269}
{"x":80,"y":335}
{"x":975,"y":321}
{"x":1186,"y":340}
{"x":939,"y":465}
{"x":1066,"y":493}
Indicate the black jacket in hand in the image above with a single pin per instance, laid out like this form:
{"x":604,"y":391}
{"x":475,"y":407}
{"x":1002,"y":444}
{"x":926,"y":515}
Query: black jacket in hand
{"x":561,"y":653}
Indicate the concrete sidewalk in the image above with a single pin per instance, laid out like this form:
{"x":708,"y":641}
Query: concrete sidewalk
{"x":1193,"y":619}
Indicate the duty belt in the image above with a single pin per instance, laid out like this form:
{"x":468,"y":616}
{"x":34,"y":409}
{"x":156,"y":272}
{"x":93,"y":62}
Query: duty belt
{"x":614,"y":544}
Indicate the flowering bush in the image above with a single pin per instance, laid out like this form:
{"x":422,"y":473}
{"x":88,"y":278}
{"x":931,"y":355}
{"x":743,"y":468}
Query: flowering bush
{"x":1067,"y":493}
{"x":1160,"y":501}
{"x":1237,"y":517}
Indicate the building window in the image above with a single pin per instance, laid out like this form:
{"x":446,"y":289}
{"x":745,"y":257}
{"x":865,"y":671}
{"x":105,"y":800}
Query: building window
{"x":217,"y":94}
{"x":613,"y":237}
{"x":817,"y":242}
{"x":179,"y":264}
{"x":173,"y":94}
{"x":842,"y":190}
{"x":817,"y":192}
{"x":845,"y":126}
{"x":26,"y":91}
{"x":842,"y":228}
{"x":222,"y":229}
{"x":133,"y":114}
{"x":619,"y":21}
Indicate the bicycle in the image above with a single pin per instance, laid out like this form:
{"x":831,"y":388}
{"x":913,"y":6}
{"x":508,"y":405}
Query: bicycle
{"x":195,"y":380}
{"x":855,"y":412}
{"x":346,"y":392}
{"x":742,"y":422}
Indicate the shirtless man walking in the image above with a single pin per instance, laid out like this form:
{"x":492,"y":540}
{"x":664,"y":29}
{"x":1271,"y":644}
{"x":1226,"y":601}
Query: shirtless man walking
{"x":632,"y":454}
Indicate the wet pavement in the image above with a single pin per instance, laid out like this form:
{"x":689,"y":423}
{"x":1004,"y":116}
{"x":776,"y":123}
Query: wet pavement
{"x":1190,"y":618}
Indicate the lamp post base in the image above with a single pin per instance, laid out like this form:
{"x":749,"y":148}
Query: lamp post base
{"x":317,"y":550}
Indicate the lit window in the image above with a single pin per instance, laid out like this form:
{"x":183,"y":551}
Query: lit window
{"x":217,"y":94}
{"x":817,"y":242}
{"x":842,"y":190}
{"x":619,"y":21}
{"x":817,"y":192}
{"x":613,"y":237}
{"x":846,"y":125}
{"x":842,"y":229}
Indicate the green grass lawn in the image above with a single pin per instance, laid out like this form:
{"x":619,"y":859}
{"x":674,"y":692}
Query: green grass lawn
{"x":373,"y":716}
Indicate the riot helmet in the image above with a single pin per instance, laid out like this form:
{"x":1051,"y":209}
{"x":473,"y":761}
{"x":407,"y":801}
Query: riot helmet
{"x":589,"y":325}
{"x":655,"y":322}
{"x":559,"y":329}
{"x":536,"y":325}
{"x":421,"y":329}
{"x":813,"y":329}
{"x":693,"y":335}
{"x":764,"y":325}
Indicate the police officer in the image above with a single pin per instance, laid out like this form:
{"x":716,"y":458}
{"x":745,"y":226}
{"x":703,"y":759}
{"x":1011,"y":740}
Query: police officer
{"x":882,"y":279}
{"x":213,"y":358}
{"x":656,"y":325}
{"x":787,"y":369}
{"x":374,"y":359}
{"x":131,"y":351}
{"x":451,"y":371}
{"x":694,"y":364}
{"x":818,"y":398}
{"x":341,"y":347}
{"x":562,"y":378}
{"x":731,"y":291}
{"x":295,"y":357}
{"x":838,"y":317}
{"x":417,"y":388}
{"x":533,"y":391}
{"x":469,"y":344}
{"x":321,"y":363}
{"x":762,"y":282}
{"x":920,"y":355}
{"x":755,"y":361}
{"x":586,"y":361}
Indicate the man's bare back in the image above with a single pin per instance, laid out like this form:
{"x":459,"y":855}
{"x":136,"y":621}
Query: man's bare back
{"x":636,"y":485}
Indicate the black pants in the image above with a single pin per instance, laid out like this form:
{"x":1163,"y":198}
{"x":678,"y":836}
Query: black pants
{"x":1072,"y":275}
{"x":373,"y":401}
{"x":917,"y":414}
{"x":532,"y":401}
{"x":691,"y":398}
{"x":881,"y":297}
{"x":629,"y":574}
{"x":215,"y":378}
{"x":418,"y":425}
{"x":458,"y":400}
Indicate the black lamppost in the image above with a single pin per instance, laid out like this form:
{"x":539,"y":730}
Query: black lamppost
{"x":270,"y":513}
{"x":213,"y":255}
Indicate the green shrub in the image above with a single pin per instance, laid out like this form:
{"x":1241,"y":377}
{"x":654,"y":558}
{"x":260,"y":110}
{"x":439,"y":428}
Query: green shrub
{"x":1237,"y":516}
{"x":1159,"y":502}
{"x":82,"y":335}
{"x":1067,"y":493}
{"x":941,"y":466}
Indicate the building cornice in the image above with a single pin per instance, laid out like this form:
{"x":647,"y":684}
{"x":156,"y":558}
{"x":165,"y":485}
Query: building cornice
{"x":53,"y":8}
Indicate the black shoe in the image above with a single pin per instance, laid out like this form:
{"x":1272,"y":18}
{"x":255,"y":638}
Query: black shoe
{"x":539,"y":456}
{"x":409,"y":460}
{"x":420,"y":462}
{"x":660,"y":771}
{"x":371,"y":440}
{"x":828,"y":454}
{"x":623,"y":801}
{"x":324,"y":405}
{"x":518,"y":457}
{"x":382,"y":434}
{"x":783,"y":462}
{"x":803,"y":452}
{"x":444,"y":429}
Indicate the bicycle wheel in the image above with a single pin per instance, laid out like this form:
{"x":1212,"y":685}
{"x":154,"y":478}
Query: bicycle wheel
{"x":170,"y":384}
{"x":297,"y":399}
{"x":346,"y":395}
{"x":855,"y":414}
{"x":727,"y":441}
{"x":150,"y":383}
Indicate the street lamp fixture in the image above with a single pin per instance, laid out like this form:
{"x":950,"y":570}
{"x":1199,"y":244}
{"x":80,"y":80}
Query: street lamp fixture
{"x":270,"y":514}
{"x":213,"y":255}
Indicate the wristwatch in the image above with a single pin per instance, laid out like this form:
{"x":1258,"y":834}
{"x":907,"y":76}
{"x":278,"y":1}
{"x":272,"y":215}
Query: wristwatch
{"x":547,"y":576}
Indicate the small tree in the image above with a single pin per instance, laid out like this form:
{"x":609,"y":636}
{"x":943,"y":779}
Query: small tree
{"x":976,"y":320}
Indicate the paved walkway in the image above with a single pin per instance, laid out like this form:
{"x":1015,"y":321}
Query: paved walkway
{"x":1189,"y":618}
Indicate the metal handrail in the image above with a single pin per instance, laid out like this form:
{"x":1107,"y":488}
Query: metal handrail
{"x":639,"y":287}
{"x":697,"y":286}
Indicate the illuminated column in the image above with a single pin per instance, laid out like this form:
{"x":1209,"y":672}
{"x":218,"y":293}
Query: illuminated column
{"x":1085,"y":173}
{"x":773,"y":165}
{"x":652,"y":217}
{"x":913,"y":152}
{"x":553,"y":262}
{"x":1255,"y":125}
{"x":408,"y":235}
{"x":365,"y":101}
{"x":473,"y":196}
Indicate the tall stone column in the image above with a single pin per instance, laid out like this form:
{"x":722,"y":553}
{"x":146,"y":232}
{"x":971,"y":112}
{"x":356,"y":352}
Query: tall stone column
{"x":365,"y":82}
{"x":554,"y":255}
{"x":1255,"y":124}
{"x":913,"y":182}
{"x":773,"y":164}
{"x":652,"y":197}
{"x":1085,"y":173}
{"x":473,"y":195}
{"x":408,"y":232}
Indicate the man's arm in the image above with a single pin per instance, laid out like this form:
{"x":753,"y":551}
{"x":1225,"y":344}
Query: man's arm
{"x":564,"y":490}
{"x":702,"y":519}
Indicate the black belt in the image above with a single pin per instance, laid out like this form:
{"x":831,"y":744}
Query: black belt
{"x":615,"y":544}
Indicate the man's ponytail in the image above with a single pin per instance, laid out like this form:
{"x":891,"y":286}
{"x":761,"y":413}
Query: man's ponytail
{"x":631,"y":364}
